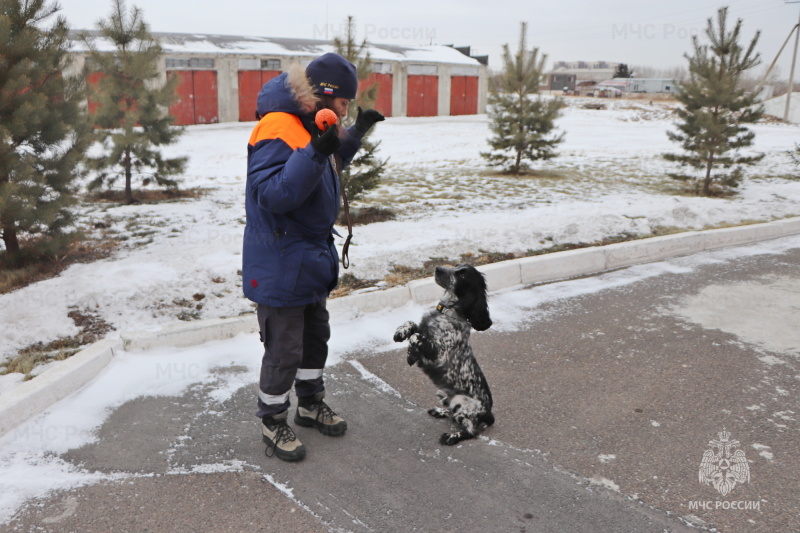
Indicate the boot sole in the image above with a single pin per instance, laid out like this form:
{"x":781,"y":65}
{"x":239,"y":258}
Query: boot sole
{"x":296,"y":455}
{"x":332,"y":431}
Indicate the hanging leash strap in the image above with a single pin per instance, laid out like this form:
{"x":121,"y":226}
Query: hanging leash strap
{"x":346,"y":247}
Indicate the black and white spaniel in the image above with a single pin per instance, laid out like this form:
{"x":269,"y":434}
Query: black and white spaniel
{"x":439,"y":345}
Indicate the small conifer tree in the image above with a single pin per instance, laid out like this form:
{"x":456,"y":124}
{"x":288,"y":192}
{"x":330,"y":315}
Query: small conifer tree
{"x":364,"y":172}
{"x":714,"y":110}
{"x":43,"y":132}
{"x":622,"y":71}
{"x":132,"y":105}
{"x":521,"y":122}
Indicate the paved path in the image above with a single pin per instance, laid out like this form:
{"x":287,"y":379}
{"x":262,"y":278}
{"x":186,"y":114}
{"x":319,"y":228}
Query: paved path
{"x":605,"y":403}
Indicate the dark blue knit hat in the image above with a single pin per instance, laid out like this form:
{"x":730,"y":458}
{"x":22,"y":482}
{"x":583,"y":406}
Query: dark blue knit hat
{"x":333,"y":75}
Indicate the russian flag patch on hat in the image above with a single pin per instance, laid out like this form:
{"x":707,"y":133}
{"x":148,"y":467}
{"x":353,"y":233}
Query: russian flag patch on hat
{"x":327,"y":90}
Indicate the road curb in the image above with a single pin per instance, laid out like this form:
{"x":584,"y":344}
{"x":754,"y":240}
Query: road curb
{"x":35,"y":396}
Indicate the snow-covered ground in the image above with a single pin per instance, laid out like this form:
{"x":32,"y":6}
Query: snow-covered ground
{"x":608,"y":180}
{"x":30,"y":462}
{"x":180,"y":259}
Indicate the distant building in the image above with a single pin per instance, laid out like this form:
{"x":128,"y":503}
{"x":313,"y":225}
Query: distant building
{"x":220,"y":75}
{"x":639,"y":85}
{"x":562,"y":82}
{"x":586,"y":70}
{"x":776,"y":107}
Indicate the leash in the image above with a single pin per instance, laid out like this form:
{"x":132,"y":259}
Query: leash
{"x":346,"y":247}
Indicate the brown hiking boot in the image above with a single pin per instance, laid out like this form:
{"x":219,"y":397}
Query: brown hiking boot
{"x":280,"y":439}
{"x":313,"y":412}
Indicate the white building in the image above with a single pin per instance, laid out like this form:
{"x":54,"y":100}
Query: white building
{"x":639,"y":85}
{"x":220,"y":75}
{"x":776,"y":107}
{"x":586,"y":70}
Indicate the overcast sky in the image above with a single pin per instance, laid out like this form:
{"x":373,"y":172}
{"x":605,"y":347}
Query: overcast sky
{"x":636,"y":32}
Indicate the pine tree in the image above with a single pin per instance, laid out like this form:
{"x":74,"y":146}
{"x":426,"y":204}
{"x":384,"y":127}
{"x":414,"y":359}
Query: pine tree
{"x":131,"y":105}
{"x":520,"y":120}
{"x":364,"y":172}
{"x":622,"y":71}
{"x":714,"y":109}
{"x":43,"y":132}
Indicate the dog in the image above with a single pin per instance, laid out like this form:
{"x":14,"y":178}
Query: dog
{"x":439,"y":345}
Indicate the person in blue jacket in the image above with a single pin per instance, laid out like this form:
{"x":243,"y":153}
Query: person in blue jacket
{"x":290,"y":263}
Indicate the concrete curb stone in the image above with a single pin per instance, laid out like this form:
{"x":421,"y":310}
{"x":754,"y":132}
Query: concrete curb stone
{"x":562,"y":265}
{"x":22,"y":403}
{"x":34,"y":397}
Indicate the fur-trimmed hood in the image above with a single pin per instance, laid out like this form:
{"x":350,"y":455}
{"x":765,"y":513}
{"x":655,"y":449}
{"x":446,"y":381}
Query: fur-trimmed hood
{"x":290,"y":92}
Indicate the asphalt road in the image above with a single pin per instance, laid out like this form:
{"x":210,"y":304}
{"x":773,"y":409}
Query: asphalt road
{"x":605,"y":404}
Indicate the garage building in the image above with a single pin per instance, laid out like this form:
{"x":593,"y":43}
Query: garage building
{"x":220,"y":75}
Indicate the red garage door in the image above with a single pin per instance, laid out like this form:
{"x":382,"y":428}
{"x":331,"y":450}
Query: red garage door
{"x":93,"y":80}
{"x":423,"y":96}
{"x":464,"y":95}
{"x":206,"y":110}
{"x":383,"y":102}
{"x":197,"y":97}
{"x":183,"y":107}
{"x":250,"y":83}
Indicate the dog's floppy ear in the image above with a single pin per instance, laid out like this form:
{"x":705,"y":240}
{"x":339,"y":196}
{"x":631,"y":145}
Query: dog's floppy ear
{"x":475,"y":284}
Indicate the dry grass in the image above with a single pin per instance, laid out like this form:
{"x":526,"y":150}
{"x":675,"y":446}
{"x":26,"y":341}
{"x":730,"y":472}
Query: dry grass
{"x":651,"y":97}
{"x":366,"y":215}
{"x":24,"y":363}
{"x":93,"y":328}
{"x":349,"y":283}
{"x":554,"y":175}
{"x":147,"y":196}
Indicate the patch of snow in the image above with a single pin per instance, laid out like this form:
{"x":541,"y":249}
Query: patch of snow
{"x":763,"y":451}
{"x":10,"y":381}
{"x":232,"y":465}
{"x":375,"y":380}
{"x":771,"y":360}
{"x":604,"y":482}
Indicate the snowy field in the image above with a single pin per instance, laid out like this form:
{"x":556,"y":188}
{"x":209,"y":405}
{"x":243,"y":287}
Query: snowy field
{"x":179,"y":260}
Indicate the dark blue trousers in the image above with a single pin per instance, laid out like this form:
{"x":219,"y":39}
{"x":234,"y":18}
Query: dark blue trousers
{"x":295,"y":350}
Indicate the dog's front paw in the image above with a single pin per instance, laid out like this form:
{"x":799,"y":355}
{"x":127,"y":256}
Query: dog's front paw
{"x":439,"y":412}
{"x":404,"y":331}
{"x":414,"y":341}
{"x":413,"y":349}
{"x":449,"y":439}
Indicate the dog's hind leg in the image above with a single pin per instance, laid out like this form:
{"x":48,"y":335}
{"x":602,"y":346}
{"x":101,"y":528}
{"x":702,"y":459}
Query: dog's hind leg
{"x":444,"y":410}
{"x":465,"y":412}
{"x":439,"y":412}
{"x":466,"y":432}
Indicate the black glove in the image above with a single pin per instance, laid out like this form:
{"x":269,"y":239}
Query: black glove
{"x":365,"y":120}
{"x":328,"y":142}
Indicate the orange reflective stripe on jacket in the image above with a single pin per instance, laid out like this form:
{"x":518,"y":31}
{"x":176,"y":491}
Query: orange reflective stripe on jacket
{"x":283,"y":126}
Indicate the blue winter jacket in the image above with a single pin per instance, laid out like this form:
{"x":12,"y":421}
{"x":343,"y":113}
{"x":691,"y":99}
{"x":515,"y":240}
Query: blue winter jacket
{"x":292,"y":199}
